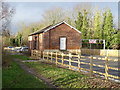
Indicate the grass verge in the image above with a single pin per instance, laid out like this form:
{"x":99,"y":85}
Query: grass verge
{"x":60,"y":77}
{"x":22,"y":57}
{"x":64,"y":78}
{"x":13,"y":76}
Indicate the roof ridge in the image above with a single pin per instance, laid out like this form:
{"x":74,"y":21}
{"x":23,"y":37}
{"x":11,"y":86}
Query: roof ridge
{"x":40,"y":30}
{"x":52,"y":26}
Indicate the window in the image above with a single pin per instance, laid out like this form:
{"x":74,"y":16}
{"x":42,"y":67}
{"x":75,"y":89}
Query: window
{"x":62,"y":43}
{"x":30,"y":38}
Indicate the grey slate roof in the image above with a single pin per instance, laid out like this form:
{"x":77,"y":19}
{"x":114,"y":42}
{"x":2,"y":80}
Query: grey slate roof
{"x":41,"y":31}
{"x":52,"y":26}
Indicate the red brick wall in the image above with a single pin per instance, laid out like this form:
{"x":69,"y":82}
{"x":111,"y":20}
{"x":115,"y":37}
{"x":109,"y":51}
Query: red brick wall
{"x":52,"y":37}
{"x":41,"y":41}
{"x":32,"y":42}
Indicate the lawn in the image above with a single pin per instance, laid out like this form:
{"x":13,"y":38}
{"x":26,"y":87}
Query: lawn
{"x":62,"y":78}
{"x":22,"y":57}
{"x":13,"y":76}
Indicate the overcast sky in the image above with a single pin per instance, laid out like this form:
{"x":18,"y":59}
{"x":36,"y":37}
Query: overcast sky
{"x":30,"y":12}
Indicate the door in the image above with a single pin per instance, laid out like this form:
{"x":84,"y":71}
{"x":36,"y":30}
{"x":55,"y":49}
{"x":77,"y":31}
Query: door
{"x":62,"y":43}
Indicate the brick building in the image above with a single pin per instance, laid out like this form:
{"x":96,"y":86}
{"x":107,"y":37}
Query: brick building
{"x":58,"y":37}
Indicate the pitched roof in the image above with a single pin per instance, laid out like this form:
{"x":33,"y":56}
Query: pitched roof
{"x":51,"y":27}
{"x":40,"y":31}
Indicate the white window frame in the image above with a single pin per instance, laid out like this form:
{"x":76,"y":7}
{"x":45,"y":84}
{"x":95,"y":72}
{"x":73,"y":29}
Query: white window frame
{"x":63,"y":43}
{"x":30,"y":38}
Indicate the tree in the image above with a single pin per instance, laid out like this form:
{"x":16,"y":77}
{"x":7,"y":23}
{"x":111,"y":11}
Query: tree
{"x":6,"y":13}
{"x":80,"y":7}
{"x":115,"y":43}
{"x":53,"y":15}
{"x":12,"y":41}
{"x":103,"y":24}
{"x":97,"y":26}
{"x":79,"y":21}
{"x":18,"y":39}
{"x":69,"y":21}
{"x":90,"y":34}
{"x":85,"y":25}
{"x":25,"y":30}
{"x":108,"y":28}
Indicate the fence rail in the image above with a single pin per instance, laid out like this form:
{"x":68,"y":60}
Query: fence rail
{"x":61,"y":58}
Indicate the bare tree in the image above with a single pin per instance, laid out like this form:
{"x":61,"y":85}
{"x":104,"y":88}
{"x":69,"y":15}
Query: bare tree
{"x":53,"y":15}
{"x":73,"y":12}
{"x":6,"y":13}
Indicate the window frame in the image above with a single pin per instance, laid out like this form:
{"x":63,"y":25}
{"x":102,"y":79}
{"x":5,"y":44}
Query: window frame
{"x":60,"y":43}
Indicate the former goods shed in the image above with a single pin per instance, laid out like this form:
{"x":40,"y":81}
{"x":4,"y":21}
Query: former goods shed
{"x":58,"y":37}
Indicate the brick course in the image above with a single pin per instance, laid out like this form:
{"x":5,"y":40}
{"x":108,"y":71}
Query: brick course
{"x":51,"y":38}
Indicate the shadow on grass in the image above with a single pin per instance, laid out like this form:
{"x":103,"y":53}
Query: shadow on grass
{"x":15,"y":77}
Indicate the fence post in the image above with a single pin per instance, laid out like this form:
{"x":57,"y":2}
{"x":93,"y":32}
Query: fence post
{"x":40,"y":54}
{"x":106,"y":67}
{"x":79,"y":62}
{"x":37,"y":54}
{"x":69,"y":60}
{"x":80,"y":52}
{"x":31,"y":53}
{"x":51,"y":56}
{"x":43,"y":55}
{"x":34,"y":54}
{"x":56,"y":58}
{"x":62,"y":58}
{"x":91,"y":65}
{"x":76,"y":51}
{"x":47,"y":55}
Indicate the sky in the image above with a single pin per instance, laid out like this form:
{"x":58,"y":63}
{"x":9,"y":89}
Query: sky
{"x":31,"y":12}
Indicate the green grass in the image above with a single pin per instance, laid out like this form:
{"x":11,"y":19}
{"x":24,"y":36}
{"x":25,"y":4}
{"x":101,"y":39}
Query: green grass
{"x":0,"y":78}
{"x":13,"y":76}
{"x":22,"y":57}
{"x":63,"y":78}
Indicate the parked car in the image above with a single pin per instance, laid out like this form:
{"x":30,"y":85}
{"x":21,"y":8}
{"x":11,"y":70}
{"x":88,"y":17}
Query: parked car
{"x":22,"y":49}
{"x":8,"y":48}
{"x":17,"y":49}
